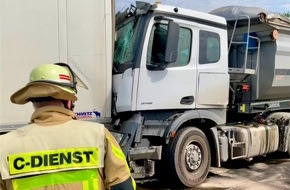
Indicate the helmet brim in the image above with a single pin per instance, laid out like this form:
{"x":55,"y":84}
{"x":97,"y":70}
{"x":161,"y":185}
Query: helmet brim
{"x":38,"y":90}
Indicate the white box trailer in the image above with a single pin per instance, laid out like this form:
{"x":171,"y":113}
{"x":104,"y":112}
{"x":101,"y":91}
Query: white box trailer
{"x":48,"y":31}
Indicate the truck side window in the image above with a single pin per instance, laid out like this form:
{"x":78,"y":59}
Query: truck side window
{"x":209,"y":47}
{"x":157,"y":42}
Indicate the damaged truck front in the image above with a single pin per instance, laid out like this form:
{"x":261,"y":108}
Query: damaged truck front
{"x":192,"y":90}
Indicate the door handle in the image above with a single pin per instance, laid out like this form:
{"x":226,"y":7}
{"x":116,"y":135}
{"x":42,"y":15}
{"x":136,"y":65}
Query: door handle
{"x":187,"y":100}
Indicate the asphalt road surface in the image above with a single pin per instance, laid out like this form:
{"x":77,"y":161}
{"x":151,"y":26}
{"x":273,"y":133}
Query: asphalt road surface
{"x":266,"y":173}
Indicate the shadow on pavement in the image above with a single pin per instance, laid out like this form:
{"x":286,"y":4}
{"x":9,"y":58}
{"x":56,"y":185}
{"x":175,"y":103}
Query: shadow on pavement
{"x":267,"y":173}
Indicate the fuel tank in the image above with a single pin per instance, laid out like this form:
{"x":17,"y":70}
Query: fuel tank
{"x":247,"y":141}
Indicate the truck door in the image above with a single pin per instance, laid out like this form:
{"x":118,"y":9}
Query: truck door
{"x":213,"y":78}
{"x":173,"y":87}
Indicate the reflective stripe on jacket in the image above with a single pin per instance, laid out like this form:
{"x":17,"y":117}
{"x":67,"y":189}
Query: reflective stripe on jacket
{"x":56,"y":152}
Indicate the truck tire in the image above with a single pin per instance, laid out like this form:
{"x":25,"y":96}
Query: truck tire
{"x":282,"y":119}
{"x":188,"y":158}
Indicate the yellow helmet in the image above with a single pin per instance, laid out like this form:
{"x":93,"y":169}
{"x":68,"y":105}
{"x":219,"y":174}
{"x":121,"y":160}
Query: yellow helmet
{"x":48,"y":80}
{"x":59,"y":74}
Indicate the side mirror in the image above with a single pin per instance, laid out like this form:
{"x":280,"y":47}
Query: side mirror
{"x":171,"y":49}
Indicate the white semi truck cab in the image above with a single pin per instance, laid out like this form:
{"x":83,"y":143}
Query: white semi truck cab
{"x":192,"y":90}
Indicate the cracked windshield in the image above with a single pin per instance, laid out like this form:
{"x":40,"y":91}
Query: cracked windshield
{"x":124,"y":46}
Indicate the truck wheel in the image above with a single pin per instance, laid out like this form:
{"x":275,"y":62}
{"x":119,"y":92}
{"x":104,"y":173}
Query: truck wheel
{"x":188,"y":157}
{"x":282,"y":119}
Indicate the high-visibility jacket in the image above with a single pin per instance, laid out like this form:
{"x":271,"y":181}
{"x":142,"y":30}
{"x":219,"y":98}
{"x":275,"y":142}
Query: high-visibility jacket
{"x":58,"y":152}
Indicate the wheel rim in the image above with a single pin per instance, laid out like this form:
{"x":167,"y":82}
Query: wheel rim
{"x":193,"y":157}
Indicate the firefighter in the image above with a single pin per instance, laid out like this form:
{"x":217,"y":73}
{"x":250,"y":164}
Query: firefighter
{"x":56,"y":151}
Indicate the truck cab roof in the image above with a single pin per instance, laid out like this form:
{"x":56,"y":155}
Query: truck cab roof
{"x":189,"y":13}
